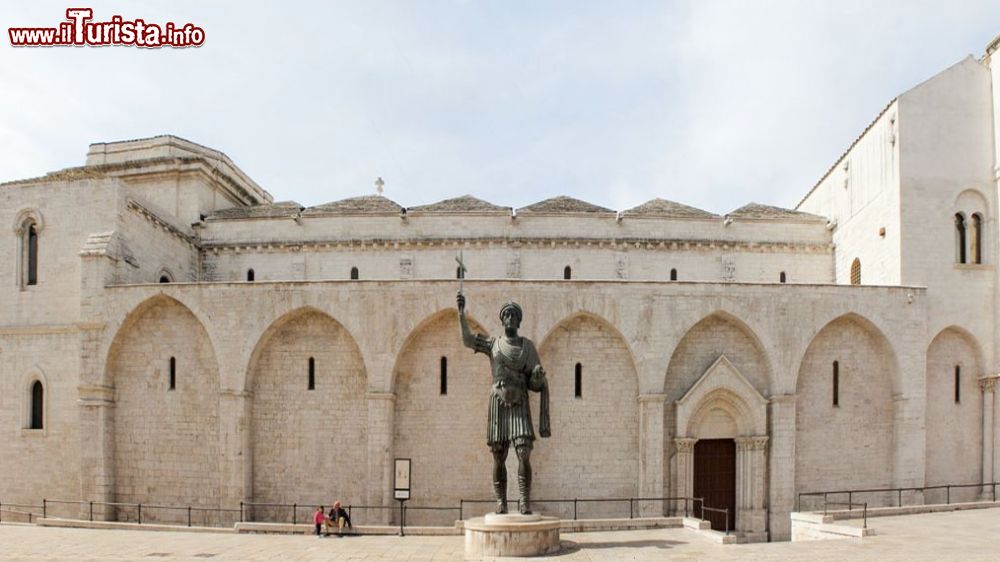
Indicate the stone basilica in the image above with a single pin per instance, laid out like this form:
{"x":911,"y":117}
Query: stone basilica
{"x":171,"y":335}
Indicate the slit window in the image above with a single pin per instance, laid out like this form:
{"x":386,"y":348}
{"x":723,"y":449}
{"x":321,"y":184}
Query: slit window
{"x":251,"y":276}
{"x":28,"y":253}
{"x":37,"y":405}
{"x":444,"y":376}
{"x":354,"y":273}
{"x":782,"y":278}
{"x":312,"y":374}
{"x":173,"y":374}
{"x":976,"y":239}
{"x":567,"y":272}
{"x":673,"y":275}
{"x":836,"y":383}
{"x":578,"y":381}
{"x":958,"y":384}
{"x":960,"y":255}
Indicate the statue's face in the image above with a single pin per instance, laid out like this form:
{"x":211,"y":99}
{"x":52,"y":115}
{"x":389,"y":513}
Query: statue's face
{"x":510,"y":321}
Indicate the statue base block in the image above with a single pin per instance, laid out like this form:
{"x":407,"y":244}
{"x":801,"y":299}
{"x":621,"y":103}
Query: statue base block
{"x":511,"y":535}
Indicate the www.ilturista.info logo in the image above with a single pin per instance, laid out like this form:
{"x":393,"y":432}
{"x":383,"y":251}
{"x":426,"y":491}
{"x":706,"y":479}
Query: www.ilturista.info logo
{"x":79,"y":30}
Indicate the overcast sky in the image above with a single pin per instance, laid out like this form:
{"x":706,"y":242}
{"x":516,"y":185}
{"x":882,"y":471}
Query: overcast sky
{"x":709,"y":103}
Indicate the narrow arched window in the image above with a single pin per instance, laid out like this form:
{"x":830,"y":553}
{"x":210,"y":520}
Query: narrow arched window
{"x":960,"y":255}
{"x":354,"y":273}
{"x":37,"y":405}
{"x":836,"y":383}
{"x":444,"y":376}
{"x":781,"y":277}
{"x":856,"y":272}
{"x":567,"y":272}
{"x":31,"y":255}
{"x":958,"y":384}
{"x":312,"y":374}
{"x":164,"y":279}
{"x":173,"y":374}
{"x":578,"y":381}
{"x":251,"y":275}
{"x":977,"y":238}
{"x":673,"y":275}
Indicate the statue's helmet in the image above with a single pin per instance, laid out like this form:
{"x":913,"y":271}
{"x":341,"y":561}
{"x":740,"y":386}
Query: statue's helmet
{"x":512,"y":308}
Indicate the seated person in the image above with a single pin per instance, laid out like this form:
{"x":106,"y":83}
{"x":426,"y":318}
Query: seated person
{"x":339,"y":517}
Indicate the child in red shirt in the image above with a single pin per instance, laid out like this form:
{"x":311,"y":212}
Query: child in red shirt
{"x":318,"y":518}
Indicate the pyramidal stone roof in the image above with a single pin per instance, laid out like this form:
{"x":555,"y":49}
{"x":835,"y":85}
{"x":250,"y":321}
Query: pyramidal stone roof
{"x":664,"y":208}
{"x":268,"y":211}
{"x":463,"y":204}
{"x":760,"y":211}
{"x":363,"y":205}
{"x":563,"y":204}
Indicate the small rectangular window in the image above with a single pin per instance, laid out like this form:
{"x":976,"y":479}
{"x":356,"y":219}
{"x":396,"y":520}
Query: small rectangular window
{"x":578,"y":381}
{"x":958,"y":384}
{"x":173,"y":373}
{"x":312,"y":374}
{"x":836,"y":383}
{"x":444,"y":376}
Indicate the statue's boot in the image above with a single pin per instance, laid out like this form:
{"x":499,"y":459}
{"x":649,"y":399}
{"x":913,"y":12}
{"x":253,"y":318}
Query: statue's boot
{"x":500,"y":491}
{"x":524,"y":502}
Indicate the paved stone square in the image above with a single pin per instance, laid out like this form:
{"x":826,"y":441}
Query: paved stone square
{"x":968,"y":535}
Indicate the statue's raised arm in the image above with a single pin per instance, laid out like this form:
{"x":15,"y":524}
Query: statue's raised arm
{"x":475,"y":342}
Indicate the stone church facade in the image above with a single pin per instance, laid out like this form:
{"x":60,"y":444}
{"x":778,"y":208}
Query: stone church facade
{"x":170,"y":335}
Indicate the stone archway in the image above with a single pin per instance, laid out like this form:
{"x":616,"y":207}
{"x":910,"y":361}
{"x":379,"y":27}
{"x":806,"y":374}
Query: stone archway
{"x":722,"y":405}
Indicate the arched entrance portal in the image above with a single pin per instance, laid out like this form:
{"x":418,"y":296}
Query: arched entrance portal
{"x":722,"y":449}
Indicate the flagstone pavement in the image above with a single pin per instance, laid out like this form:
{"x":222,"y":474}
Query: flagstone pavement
{"x":965,"y":535}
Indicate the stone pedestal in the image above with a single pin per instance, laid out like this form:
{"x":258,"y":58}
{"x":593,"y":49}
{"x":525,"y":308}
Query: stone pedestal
{"x":511,"y":535}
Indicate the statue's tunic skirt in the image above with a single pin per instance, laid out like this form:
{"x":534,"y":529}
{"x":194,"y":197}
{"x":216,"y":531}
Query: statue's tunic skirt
{"x":508,"y":422}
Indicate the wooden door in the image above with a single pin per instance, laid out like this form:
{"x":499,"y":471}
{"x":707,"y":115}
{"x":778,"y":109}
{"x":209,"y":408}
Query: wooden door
{"x":715,"y":479}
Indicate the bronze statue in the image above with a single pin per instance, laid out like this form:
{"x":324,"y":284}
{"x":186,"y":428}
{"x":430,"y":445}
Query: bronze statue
{"x":516,"y":370}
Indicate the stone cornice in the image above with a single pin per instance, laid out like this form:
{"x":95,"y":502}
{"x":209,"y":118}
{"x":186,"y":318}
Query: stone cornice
{"x":671,"y":244}
{"x":152,"y":217}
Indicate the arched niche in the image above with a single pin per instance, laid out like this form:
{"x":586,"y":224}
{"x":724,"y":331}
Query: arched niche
{"x":604,"y":418}
{"x":166,"y":441}
{"x":308,"y":443}
{"x":845,"y":408}
{"x":954,"y":415}
{"x":444,"y":435}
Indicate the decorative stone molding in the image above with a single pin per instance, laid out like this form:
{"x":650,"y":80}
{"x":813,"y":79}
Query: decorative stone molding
{"x":684,"y":444}
{"x":382,"y":396}
{"x":28,"y":215}
{"x":671,"y":244}
{"x":759,"y":443}
{"x":654,"y":398}
{"x":152,"y":217}
{"x":988,"y":384}
{"x":96,"y":395}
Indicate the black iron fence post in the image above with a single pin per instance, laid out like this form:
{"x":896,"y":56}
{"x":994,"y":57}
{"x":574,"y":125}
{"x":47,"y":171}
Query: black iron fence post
{"x":947,"y":490}
{"x":140,"y":514}
{"x":295,"y":508}
{"x":461,"y":510}
{"x":630,"y":508}
{"x":241,"y":512}
{"x":91,"y":510}
{"x":574,"y":509}
{"x":189,"y":516}
{"x":44,"y":508}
